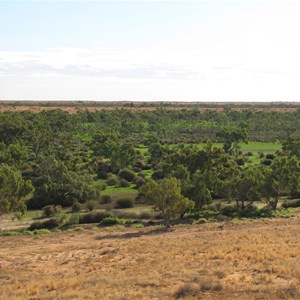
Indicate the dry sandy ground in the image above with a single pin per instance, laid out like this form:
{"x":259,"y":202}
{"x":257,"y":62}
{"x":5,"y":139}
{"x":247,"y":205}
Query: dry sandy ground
{"x":74,"y":109}
{"x":244,"y":260}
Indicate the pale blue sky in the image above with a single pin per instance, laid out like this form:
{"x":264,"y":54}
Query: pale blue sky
{"x":150,"y":50}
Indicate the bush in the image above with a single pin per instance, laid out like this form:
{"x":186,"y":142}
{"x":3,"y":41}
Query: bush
{"x":93,"y":217}
{"x":267,"y":162}
{"x":106,"y":199}
{"x":49,"y":224}
{"x":73,"y":219}
{"x":250,"y":212}
{"x":51,"y":210}
{"x":102,"y":175}
{"x":291,"y":203}
{"x":240,"y":161}
{"x":126,"y":174}
{"x":124,"y":183}
{"x":270,"y":156}
{"x":139,"y":181}
{"x":111,"y":221}
{"x":76,"y":207}
{"x":124,"y":203}
{"x":125,"y":214}
{"x":111,"y":181}
{"x":90,"y":205}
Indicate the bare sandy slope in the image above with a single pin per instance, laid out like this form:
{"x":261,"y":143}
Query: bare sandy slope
{"x":247,"y":260}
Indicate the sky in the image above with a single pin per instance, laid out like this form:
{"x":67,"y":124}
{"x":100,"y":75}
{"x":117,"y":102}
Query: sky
{"x":206,"y":50}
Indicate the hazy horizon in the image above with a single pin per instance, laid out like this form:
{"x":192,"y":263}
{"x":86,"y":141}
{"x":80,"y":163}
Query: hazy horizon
{"x":205,"y":51}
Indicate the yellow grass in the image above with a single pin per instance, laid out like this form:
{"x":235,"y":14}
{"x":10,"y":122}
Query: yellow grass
{"x":247,"y":260}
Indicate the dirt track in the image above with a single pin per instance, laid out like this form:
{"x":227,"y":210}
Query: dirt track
{"x":248,"y":260}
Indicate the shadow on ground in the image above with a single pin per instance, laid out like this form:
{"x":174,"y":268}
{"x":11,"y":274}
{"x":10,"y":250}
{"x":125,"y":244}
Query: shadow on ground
{"x":129,"y":235}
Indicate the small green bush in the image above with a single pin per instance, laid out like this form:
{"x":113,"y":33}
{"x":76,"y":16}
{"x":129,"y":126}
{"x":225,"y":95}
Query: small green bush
{"x":111,"y":221}
{"x":93,"y":217}
{"x":112,"y":181}
{"x":51,"y":210}
{"x":124,"y":183}
{"x":126,"y":174}
{"x":76,"y":207}
{"x":124,"y":203}
{"x":73,"y":219}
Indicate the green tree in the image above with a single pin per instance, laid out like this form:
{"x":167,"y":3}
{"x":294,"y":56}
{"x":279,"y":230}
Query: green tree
{"x":232,"y":136}
{"x":167,"y":198}
{"x":248,"y":187}
{"x":13,"y":189}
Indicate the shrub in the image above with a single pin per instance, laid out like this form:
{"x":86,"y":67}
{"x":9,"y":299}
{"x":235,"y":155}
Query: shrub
{"x":73,"y":219}
{"x":49,"y":224}
{"x":111,"y":181}
{"x":270,"y":156}
{"x":105,"y":199}
{"x":267,"y":162}
{"x":124,"y":183}
{"x":124,"y":203}
{"x":291,"y":203}
{"x":139,"y":181}
{"x":93,"y":217}
{"x":76,"y":207}
{"x":51,"y":210}
{"x":240,"y":161}
{"x":126,"y":174}
{"x":90,"y":205}
{"x":125,"y":214}
{"x":111,"y":221}
{"x":102,"y":175}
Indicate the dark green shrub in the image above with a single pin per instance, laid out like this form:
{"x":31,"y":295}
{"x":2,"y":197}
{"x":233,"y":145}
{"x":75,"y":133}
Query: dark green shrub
{"x":124,"y":203}
{"x":240,"y":161}
{"x":93,"y":217}
{"x":102,"y":175}
{"x":76,"y":207}
{"x":52,"y":210}
{"x":106,"y":199}
{"x":49,"y":211}
{"x":139,"y":181}
{"x":124,"y":183}
{"x":249,"y":153}
{"x":270,"y":156}
{"x":126,"y":174}
{"x":49,"y":224}
{"x":267,"y":162}
{"x":110,"y":221}
{"x":291,"y":203}
{"x":112,"y":181}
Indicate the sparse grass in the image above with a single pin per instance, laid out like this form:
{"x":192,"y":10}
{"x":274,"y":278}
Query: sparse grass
{"x":250,"y":259}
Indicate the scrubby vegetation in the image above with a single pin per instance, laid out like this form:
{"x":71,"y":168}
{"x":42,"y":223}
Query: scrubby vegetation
{"x":124,"y":159}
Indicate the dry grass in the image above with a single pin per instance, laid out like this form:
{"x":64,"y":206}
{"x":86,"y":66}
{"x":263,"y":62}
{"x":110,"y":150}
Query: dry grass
{"x":248,"y":260}
{"x":73,"y":109}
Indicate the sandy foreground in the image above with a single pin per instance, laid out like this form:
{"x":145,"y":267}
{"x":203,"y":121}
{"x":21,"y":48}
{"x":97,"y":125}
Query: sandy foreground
{"x":244,"y":260}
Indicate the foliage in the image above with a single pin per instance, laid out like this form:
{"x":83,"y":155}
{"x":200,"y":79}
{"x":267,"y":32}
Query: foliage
{"x":76,"y":207}
{"x":91,"y":204}
{"x":110,"y":221}
{"x":13,"y":189}
{"x":167,"y":198}
{"x":126,"y":174}
{"x":124,"y":203}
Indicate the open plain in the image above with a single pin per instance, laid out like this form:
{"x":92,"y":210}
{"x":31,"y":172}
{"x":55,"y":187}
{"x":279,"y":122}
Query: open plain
{"x":251,"y":259}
